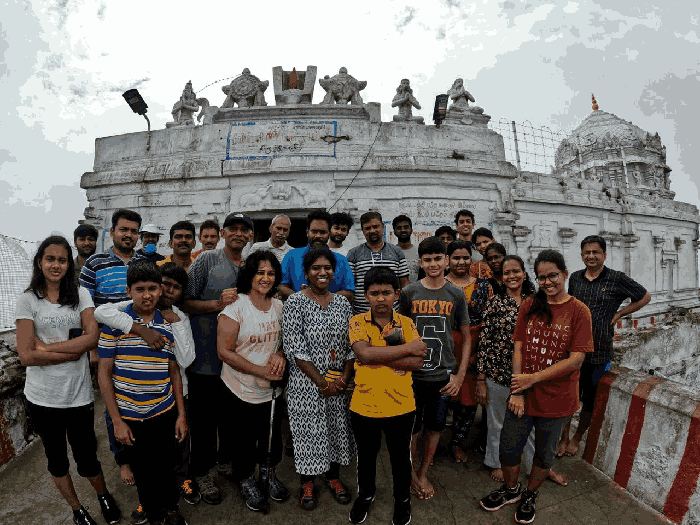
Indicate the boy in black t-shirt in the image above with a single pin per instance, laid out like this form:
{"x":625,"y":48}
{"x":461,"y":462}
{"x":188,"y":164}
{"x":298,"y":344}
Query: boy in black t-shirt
{"x":436,"y":307}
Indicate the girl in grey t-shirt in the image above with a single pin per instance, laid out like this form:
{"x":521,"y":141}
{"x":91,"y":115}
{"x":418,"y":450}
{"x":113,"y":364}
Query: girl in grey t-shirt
{"x":55,"y":330}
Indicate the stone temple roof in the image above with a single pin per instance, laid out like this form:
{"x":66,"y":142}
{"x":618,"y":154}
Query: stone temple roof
{"x":603,"y":126}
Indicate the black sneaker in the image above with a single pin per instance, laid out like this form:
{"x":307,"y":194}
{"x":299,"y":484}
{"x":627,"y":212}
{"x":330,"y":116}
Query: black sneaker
{"x":308,"y":496}
{"x":500,"y":497}
{"x":340,"y":492}
{"x":525,"y":513}
{"x":190,"y":492}
{"x":253,"y":496}
{"x":225,"y":470}
{"x":81,"y":517}
{"x":173,"y":517}
{"x":271,"y":485}
{"x":402,"y":513}
{"x":110,"y":511}
{"x":360,"y":509}
{"x":209,"y":491}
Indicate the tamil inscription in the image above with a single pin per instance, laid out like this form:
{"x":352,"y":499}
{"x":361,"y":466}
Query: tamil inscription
{"x":281,"y":138}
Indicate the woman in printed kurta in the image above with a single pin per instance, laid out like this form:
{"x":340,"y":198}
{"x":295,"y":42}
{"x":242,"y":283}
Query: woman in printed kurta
{"x":317,"y":345}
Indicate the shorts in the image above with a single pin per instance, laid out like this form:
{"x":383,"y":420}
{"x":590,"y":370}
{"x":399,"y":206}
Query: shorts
{"x":515,"y":433}
{"x":431,"y":406}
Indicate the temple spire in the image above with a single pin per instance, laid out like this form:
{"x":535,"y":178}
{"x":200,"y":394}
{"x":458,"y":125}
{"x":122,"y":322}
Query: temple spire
{"x":595,"y":104}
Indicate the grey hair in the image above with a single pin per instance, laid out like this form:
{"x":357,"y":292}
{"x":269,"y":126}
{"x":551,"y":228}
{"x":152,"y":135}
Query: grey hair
{"x":280,"y":216}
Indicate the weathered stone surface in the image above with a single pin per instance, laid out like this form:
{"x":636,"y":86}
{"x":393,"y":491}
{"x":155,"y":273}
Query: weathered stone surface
{"x":245,"y":90}
{"x":293,"y":87}
{"x":12,"y":373}
{"x":342,"y":89}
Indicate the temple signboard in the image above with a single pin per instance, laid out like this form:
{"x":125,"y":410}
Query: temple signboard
{"x":281,"y":138}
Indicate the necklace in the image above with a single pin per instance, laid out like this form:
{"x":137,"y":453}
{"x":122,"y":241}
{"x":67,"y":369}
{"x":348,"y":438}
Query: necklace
{"x":316,"y":297}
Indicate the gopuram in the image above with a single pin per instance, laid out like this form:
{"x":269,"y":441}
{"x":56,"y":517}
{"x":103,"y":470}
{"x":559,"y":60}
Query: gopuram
{"x":266,"y":152}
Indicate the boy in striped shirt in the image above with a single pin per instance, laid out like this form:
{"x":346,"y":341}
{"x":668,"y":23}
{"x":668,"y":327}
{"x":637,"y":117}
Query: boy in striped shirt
{"x":142,"y":389}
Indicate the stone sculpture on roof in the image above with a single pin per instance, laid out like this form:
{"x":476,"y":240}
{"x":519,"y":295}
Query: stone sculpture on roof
{"x":246,"y":90}
{"x":184,"y":108}
{"x":342,"y":88}
{"x":405,"y":101}
{"x":293,"y":87}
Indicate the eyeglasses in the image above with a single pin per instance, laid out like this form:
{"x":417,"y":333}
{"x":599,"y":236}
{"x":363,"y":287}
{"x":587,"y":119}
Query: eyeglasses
{"x":552,"y":278}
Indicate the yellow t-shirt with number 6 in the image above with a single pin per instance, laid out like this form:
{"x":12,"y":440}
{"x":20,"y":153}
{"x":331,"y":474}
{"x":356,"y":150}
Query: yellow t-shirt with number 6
{"x":381,"y":391}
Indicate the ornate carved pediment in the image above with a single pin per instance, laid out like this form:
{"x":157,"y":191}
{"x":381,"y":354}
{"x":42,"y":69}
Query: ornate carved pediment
{"x":245,"y":90}
{"x":342,"y":89}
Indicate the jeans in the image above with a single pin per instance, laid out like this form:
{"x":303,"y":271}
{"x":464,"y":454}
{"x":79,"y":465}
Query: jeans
{"x":368,"y":438}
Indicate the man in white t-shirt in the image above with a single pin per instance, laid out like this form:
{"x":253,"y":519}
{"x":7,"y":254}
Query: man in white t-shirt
{"x":277,"y":243}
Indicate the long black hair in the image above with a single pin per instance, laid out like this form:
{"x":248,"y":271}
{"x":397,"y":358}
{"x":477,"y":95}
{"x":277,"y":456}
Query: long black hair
{"x":540,"y":307}
{"x":68,"y":287}
{"x":252,"y":264}
{"x":528,"y":286}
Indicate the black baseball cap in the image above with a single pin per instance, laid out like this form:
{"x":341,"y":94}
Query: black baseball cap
{"x":238,"y":217}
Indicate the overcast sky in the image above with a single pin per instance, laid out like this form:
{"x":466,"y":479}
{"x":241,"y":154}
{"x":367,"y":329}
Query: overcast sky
{"x":65,"y":64}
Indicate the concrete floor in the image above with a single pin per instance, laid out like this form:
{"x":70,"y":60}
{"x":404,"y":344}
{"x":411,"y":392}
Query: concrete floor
{"x":28,"y":497}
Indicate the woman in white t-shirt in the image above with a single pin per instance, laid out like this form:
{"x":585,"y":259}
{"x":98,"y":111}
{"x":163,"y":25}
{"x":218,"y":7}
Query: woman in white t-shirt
{"x":55,"y":330}
{"x":249,"y":343}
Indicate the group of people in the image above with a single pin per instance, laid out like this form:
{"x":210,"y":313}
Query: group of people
{"x":204,"y":359}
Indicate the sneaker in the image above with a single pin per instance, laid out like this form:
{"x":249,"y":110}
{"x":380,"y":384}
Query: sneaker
{"x":209,"y":491}
{"x":173,"y":517}
{"x":226,"y":471}
{"x":254,"y":498}
{"x":402,"y":513}
{"x":138,"y":517}
{"x":308,"y":496}
{"x":110,"y":511}
{"x":190,"y":492}
{"x":360,"y":509}
{"x":340,"y":493}
{"x":82,"y":517}
{"x":500,"y":497}
{"x":525,"y":513}
{"x":271,"y":484}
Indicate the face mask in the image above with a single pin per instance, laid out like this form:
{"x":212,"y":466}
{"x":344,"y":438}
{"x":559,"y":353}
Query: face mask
{"x":150,"y":248}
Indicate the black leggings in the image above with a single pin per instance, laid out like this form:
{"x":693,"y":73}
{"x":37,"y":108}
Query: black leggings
{"x":78,"y":424}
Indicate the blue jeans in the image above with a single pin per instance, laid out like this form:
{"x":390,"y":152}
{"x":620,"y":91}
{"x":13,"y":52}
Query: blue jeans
{"x":516,"y":431}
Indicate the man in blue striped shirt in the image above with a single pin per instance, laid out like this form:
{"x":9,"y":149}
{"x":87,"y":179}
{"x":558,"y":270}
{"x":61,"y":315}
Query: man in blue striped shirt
{"x":104,"y":274}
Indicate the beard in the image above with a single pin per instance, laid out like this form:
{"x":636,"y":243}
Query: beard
{"x":86,"y":252}
{"x":404,"y":237}
{"x":338,"y":238}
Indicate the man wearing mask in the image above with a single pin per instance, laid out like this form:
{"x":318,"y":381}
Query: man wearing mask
{"x":149,"y":239}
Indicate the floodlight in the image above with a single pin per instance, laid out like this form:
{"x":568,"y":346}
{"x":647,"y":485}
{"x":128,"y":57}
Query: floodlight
{"x":440,"y":109}
{"x":138,"y":105}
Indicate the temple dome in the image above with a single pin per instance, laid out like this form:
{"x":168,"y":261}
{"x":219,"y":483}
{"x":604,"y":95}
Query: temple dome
{"x":605,"y":145}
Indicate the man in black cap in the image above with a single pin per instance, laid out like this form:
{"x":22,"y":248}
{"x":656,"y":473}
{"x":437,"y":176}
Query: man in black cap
{"x":211,"y":287}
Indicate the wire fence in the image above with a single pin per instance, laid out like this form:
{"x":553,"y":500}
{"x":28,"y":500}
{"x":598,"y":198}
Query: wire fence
{"x":528,"y":147}
{"x":15,"y":273}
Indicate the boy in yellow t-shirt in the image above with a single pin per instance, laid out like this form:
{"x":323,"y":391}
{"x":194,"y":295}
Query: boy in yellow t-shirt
{"x":387,"y":347}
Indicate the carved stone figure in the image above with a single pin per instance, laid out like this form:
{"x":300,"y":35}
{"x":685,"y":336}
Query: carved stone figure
{"x":312,"y":196}
{"x":405,"y":101}
{"x":246,"y":90}
{"x":249,"y":200}
{"x":461,"y":97}
{"x":342,"y":88}
{"x":184,"y":108}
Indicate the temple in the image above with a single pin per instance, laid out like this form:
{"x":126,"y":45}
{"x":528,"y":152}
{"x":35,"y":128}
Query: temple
{"x":610,"y":177}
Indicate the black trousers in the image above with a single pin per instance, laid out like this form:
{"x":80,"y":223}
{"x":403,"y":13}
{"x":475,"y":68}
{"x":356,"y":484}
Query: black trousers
{"x":207,"y":424}
{"x":368,"y":438}
{"x":250,"y":439}
{"x":151,"y":458}
{"x":53,"y":425}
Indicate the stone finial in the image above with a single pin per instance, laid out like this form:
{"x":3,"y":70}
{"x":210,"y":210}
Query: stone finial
{"x":342,"y":88}
{"x":595,"y":104}
{"x":245,"y":90}
{"x":405,"y":101}
{"x":293,"y":87}
{"x":184,"y":108}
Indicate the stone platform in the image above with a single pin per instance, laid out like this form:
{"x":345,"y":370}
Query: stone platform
{"x":27,"y":497}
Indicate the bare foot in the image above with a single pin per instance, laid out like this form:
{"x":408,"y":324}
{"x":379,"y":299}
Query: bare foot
{"x":558,"y":478}
{"x":458,"y":453}
{"x":572,"y":447}
{"x":126,"y":474}
{"x":428,"y":489}
{"x":497,"y":475}
{"x":416,"y":487}
{"x":561,"y":449}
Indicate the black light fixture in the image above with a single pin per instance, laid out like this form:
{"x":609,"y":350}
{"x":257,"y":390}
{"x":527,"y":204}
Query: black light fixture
{"x":440,"y":109}
{"x":138,"y":105}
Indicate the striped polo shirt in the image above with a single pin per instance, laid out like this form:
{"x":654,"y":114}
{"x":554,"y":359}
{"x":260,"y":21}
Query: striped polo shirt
{"x":104,"y":276}
{"x":140,"y":375}
{"x":362,"y":258}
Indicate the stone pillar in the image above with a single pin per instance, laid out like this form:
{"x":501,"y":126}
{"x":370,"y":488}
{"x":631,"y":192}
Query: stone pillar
{"x":520,"y":234}
{"x":503,"y":223}
{"x":658,"y":252}
{"x":629,"y":242}
{"x":566,"y":237}
{"x":696,"y":246}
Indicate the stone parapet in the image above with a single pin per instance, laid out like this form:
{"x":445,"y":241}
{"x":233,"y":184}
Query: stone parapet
{"x":645,"y":435}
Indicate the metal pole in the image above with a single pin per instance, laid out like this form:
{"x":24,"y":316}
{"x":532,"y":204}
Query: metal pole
{"x":148,"y":144}
{"x":515,"y":139}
